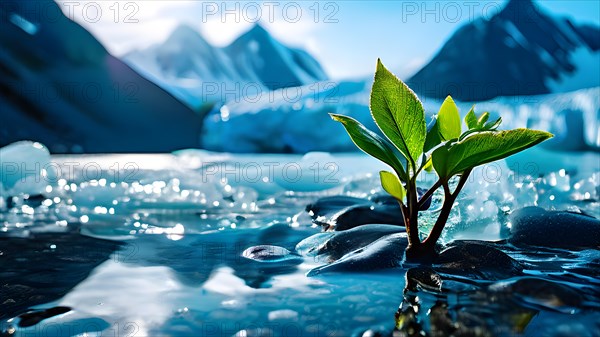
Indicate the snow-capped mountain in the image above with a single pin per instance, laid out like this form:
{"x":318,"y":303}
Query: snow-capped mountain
{"x":260,"y":58}
{"x":519,"y":51}
{"x":187,"y":66}
{"x":197,"y":73}
{"x":59,"y":86}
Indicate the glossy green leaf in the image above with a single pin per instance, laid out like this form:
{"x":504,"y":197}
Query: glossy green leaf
{"x":483,"y":118}
{"x":479,"y":124}
{"x":433,"y":138}
{"x":428,"y":167}
{"x":448,"y":120}
{"x":371,"y":143}
{"x":471,"y":119}
{"x":482,"y":148}
{"x":392,"y":185}
{"x":489,"y":126}
{"x":398,"y":113}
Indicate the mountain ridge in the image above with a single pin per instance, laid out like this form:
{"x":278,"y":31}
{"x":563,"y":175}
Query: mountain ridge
{"x":59,"y":86}
{"x":519,"y":51}
{"x":254,"y":61}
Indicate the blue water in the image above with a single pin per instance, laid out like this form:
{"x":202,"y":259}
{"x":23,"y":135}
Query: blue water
{"x":157,"y":251}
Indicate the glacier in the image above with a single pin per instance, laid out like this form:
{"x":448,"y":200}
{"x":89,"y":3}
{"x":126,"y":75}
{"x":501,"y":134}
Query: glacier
{"x":296,"y":120}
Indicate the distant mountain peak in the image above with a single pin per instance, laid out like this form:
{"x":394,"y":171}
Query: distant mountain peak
{"x":519,"y":3}
{"x":184,"y":32}
{"x":257,"y":32}
{"x":522,"y":50}
{"x":259,"y":28}
{"x":520,"y":11}
{"x":63,"y":52}
{"x":186,"y":60}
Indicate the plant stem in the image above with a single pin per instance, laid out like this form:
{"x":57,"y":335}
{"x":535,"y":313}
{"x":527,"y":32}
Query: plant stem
{"x":449,"y":198}
{"x":461,"y":182}
{"x":429,"y":193}
{"x":410,"y":214}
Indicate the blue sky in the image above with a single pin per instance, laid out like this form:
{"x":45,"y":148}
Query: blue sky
{"x":345,"y":36}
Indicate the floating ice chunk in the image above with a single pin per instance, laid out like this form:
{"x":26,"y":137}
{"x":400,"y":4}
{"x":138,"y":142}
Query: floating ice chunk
{"x":284,"y":314}
{"x":25,"y":168}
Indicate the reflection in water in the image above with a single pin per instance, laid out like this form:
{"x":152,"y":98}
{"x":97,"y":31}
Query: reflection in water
{"x":429,"y":308}
{"x":439,"y":304}
{"x":46,"y":266}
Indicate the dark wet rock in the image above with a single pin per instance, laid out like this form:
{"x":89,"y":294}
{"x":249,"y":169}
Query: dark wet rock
{"x":386,"y":252}
{"x":540,"y":292}
{"x":267,"y":253}
{"x":537,"y":227}
{"x":358,"y":215}
{"x":344,"y":212}
{"x":333,"y":204}
{"x":280,"y":234}
{"x":423,"y":277}
{"x":478,"y":260}
{"x":334,"y":245}
{"x":589,"y":268}
{"x":32,"y":318}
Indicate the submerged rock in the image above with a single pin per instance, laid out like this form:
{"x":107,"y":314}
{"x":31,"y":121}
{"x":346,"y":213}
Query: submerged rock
{"x":540,"y":292}
{"x":424,"y":277}
{"x":386,"y":252}
{"x":32,"y":318}
{"x":478,"y":260}
{"x":268,"y":253}
{"x":334,"y":245}
{"x":537,"y":227}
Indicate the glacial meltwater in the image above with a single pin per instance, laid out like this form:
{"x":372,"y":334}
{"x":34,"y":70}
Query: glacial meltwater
{"x":210,"y":244}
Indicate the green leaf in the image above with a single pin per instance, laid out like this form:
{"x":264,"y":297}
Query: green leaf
{"x":471,"y":119}
{"x":398,"y":113}
{"x":492,"y":125}
{"x":482,"y":148}
{"x":371,"y":143}
{"x":433,"y":137}
{"x":479,"y":124}
{"x":448,"y":120}
{"x":428,"y":165}
{"x":482,"y":119}
{"x":392,"y":185}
